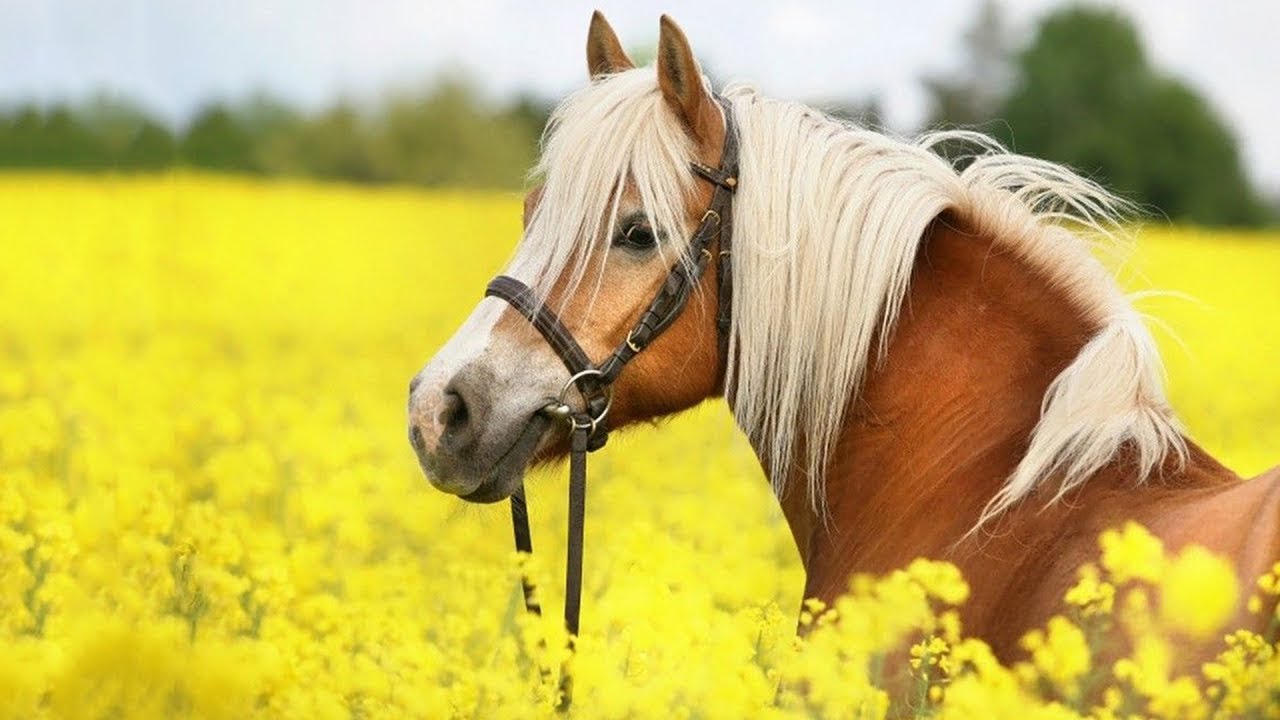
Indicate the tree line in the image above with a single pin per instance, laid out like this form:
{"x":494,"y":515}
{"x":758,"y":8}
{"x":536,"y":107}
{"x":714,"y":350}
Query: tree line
{"x":1082,"y":91}
{"x":446,"y":135}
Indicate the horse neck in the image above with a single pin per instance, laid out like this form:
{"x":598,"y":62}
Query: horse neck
{"x":941,"y":423}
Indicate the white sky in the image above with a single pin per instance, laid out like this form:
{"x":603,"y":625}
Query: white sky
{"x":173,"y":55}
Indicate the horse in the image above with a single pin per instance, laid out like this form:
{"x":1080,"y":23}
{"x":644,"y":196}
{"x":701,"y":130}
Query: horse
{"x":927,"y":359}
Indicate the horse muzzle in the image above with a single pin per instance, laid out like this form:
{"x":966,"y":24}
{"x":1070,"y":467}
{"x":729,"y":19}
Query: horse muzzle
{"x":465,"y":445}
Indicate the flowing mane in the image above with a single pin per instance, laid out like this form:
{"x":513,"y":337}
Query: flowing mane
{"x":824,"y":251}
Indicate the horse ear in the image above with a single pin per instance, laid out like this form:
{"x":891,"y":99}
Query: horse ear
{"x":681,"y":81}
{"x":605,"y":55}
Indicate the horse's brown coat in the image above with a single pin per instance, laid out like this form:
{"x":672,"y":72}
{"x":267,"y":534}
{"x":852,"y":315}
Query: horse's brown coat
{"x":944,"y":421}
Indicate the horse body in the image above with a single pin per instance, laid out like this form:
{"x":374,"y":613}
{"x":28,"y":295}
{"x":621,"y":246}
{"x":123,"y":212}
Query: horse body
{"x":927,"y":362}
{"x":936,"y":430}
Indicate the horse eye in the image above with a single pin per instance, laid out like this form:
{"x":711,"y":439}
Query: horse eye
{"x":638,"y":236}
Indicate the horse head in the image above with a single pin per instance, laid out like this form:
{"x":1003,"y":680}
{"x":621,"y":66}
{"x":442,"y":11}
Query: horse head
{"x":610,"y":225}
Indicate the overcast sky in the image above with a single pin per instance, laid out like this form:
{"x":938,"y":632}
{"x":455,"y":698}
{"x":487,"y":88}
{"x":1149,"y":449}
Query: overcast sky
{"x":174,"y":55}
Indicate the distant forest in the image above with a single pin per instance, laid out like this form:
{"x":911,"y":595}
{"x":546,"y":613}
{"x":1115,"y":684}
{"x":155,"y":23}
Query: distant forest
{"x":1081,"y":92}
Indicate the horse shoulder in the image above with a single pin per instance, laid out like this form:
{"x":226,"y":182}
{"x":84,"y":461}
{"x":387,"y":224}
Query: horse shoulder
{"x":1234,"y":518}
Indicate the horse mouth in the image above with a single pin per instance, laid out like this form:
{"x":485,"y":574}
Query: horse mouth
{"x":507,"y":473}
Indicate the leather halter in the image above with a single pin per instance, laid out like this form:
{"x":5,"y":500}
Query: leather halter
{"x":588,"y":427}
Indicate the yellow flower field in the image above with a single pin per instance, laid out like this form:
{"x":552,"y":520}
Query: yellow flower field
{"x":208,"y":507}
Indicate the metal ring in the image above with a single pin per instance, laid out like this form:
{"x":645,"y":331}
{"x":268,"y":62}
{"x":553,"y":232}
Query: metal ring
{"x":573,"y":382}
{"x":631,"y":343}
{"x":590,"y":428}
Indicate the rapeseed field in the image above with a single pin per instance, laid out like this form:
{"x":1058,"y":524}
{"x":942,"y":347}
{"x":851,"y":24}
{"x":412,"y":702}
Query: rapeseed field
{"x":208,"y":507}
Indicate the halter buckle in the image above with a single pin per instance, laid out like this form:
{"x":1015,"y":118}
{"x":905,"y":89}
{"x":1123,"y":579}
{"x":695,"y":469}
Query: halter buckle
{"x":631,"y":343}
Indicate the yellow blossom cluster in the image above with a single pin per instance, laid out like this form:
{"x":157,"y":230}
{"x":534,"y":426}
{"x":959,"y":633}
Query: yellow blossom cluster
{"x":208,"y":507}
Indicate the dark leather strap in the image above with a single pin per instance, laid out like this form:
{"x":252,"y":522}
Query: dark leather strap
{"x":524,"y":544}
{"x":592,"y":386}
{"x":573,"y":565}
{"x":577,"y":517}
{"x":726,"y":178}
{"x":662,"y":312}
{"x":521,"y":297}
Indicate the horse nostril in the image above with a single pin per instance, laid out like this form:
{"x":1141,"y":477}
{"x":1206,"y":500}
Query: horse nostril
{"x":414,"y":382}
{"x":463,"y":411}
{"x":415,"y":438}
{"x":455,"y":414}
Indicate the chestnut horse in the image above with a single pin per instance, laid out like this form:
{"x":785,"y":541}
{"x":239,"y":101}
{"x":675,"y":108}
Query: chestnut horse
{"x":927,"y":361}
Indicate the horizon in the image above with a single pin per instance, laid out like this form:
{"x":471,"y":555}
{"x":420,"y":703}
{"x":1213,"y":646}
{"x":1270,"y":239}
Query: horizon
{"x":175,"y":58}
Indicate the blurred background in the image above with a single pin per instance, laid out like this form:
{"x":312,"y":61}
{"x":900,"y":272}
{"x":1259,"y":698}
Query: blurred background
{"x":1171,"y":103}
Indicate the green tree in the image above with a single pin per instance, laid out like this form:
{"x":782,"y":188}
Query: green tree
{"x":449,"y":137}
{"x":1086,"y":95}
{"x":151,"y":147}
{"x":125,"y":135}
{"x":973,"y":95}
{"x":530,"y":112}
{"x":20,"y":135}
{"x":336,"y":144}
{"x":218,"y":140}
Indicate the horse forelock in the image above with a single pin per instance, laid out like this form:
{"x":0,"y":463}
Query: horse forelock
{"x":828,"y":220}
{"x":608,"y":139}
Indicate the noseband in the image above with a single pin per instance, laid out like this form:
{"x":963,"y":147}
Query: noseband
{"x":588,"y":427}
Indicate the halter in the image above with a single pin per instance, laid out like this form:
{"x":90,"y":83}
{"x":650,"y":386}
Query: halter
{"x":588,"y":428}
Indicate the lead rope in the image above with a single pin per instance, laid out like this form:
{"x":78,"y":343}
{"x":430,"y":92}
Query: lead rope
{"x":573,"y":552}
{"x":578,"y":437}
{"x":524,"y":546}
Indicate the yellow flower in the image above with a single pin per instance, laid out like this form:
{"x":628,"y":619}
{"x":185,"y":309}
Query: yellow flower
{"x":1198,"y":592}
{"x":930,"y":652}
{"x":1254,"y":604}
{"x":949,"y":626}
{"x":940,"y":580}
{"x":1147,"y":668}
{"x":1132,"y":553}
{"x":1091,"y":594}
{"x":1060,"y":654}
{"x":1181,"y":698}
{"x":1269,"y":582}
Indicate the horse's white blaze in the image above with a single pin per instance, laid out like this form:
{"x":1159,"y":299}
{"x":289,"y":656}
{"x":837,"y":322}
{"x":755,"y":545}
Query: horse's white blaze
{"x":522,"y":377}
{"x":468,"y":344}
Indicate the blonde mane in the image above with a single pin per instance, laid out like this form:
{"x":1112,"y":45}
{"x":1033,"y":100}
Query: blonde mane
{"x":827,"y":222}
